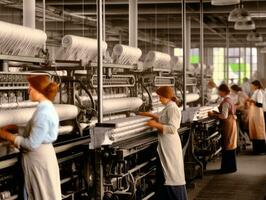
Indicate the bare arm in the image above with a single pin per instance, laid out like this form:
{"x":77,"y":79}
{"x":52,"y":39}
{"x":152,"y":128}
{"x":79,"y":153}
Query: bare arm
{"x":147,"y":114}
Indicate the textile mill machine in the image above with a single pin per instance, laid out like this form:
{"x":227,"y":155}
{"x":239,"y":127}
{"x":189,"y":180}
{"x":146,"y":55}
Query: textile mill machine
{"x":115,"y":159}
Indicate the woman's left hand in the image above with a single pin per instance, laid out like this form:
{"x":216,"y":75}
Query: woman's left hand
{"x":152,"y":123}
{"x":7,"y":136}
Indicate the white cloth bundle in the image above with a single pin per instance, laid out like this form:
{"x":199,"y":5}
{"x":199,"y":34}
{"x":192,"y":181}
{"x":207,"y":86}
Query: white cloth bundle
{"x":79,"y":48}
{"x":22,"y":104}
{"x":192,"y":97}
{"x":121,"y":104}
{"x":158,"y":60}
{"x":124,"y":55}
{"x":20,"y":41}
{"x":23,"y":115}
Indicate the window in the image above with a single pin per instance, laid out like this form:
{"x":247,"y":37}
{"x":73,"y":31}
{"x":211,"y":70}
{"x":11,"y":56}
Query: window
{"x":218,"y":64}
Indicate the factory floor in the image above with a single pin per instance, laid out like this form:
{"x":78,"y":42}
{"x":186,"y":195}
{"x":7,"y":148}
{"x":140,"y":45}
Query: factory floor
{"x":248,"y":183}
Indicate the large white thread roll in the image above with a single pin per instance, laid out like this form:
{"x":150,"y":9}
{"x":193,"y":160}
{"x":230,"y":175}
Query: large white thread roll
{"x":158,"y":60}
{"x":176,"y":64}
{"x":123,"y":54}
{"x":79,"y":48}
{"x":23,"y":115}
{"x":19,"y":40}
{"x":192,"y":97}
{"x":121,"y":104}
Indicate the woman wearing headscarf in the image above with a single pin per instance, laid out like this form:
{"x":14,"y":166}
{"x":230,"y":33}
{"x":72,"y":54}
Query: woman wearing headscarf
{"x":256,"y":118}
{"x":169,"y":147}
{"x":227,"y":117}
{"x":39,"y":162}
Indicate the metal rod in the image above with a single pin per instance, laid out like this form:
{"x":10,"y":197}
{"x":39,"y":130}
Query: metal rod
{"x":104,"y":36}
{"x":251,"y":64}
{"x":227,"y":54}
{"x":44,"y":21}
{"x":202,"y":51}
{"x":184,"y":45}
{"x":100,"y":61}
{"x":133,"y":23}
{"x":239,"y":66}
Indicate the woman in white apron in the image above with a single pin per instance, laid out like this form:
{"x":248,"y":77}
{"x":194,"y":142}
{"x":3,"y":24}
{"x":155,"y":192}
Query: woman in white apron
{"x":227,"y":117}
{"x":256,"y":118}
{"x":39,"y":162}
{"x":169,"y":147}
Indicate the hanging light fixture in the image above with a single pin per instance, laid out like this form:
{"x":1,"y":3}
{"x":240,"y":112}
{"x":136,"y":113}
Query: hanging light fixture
{"x":224,"y":2}
{"x":254,"y":37}
{"x":260,"y":44}
{"x":249,"y":25}
{"x":239,"y":14}
{"x":263,"y":50}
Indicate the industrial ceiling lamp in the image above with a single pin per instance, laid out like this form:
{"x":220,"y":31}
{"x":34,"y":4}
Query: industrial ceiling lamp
{"x":224,"y":2}
{"x":260,"y":44}
{"x":263,"y":50}
{"x":254,"y":37}
{"x":245,"y":26}
{"x":239,"y":14}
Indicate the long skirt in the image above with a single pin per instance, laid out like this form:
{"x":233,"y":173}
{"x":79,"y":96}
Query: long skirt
{"x":257,"y":129}
{"x":228,"y":164}
{"x":168,"y":192}
{"x":41,"y":172}
{"x":259,"y":146}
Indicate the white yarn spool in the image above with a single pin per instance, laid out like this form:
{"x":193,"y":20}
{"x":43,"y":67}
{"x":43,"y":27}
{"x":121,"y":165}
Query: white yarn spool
{"x":23,"y":115}
{"x":192,"y":97}
{"x":123,"y":54}
{"x":18,"y":40}
{"x":158,"y":60}
{"x":197,"y":69}
{"x":121,"y":104}
{"x":79,"y":48}
{"x":176,"y":64}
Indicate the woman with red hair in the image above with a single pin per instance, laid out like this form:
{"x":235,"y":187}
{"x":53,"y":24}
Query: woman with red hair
{"x":39,"y":160}
{"x":171,"y":165}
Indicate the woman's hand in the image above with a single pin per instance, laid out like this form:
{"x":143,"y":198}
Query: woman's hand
{"x":147,"y":114}
{"x":11,"y":128}
{"x":155,"y":124}
{"x":7,"y":136}
{"x":152,"y":123}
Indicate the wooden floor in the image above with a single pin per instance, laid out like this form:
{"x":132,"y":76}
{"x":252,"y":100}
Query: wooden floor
{"x":248,"y":183}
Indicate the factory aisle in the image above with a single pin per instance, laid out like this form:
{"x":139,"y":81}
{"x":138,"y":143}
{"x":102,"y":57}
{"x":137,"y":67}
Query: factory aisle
{"x":249,"y":183}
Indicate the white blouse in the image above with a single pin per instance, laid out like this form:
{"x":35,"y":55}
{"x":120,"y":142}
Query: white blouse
{"x":258,"y":96}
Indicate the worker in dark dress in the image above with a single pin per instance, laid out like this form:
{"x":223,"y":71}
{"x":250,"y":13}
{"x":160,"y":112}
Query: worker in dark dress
{"x":227,"y":118}
{"x":169,"y":148}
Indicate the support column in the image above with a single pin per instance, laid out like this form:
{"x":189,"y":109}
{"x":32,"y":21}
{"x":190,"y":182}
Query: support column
{"x":202,"y":53}
{"x":133,"y":23}
{"x":100,"y":60}
{"x":186,"y":36}
{"x":29,"y":13}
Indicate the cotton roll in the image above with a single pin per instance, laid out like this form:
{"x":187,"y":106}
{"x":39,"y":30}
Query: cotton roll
{"x":121,"y":104}
{"x":23,"y":115}
{"x":20,"y":41}
{"x":79,"y":48}
{"x":176,"y":64}
{"x":192,"y":97}
{"x":159,"y":60}
{"x":123,"y":54}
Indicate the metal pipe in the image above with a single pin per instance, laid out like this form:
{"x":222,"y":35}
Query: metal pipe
{"x":100,"y":61}
{"x":239,"y":66}
{"x":202,"y":51}
{"x":29,"y":13}
{"x":44,"y":20}
{"x":104,"y":34}
{"x":227,"y":54}
{"x":184,"y":45}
